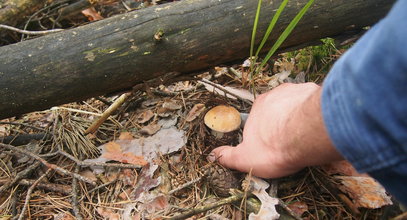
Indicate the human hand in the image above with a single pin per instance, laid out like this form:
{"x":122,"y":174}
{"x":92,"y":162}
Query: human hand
{"x":283,"y":134}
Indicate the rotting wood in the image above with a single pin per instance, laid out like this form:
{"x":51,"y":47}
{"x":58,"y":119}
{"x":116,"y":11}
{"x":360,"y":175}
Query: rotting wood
{"x":117,"y":53}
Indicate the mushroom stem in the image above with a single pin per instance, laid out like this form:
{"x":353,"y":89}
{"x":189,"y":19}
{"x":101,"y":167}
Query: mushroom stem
{"x":217,"y":134}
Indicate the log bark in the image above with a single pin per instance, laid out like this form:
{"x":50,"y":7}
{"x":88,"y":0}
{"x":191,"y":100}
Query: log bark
{"x":121,"y":51}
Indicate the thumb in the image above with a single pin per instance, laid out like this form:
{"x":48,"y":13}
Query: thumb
{"x":230,"y":157}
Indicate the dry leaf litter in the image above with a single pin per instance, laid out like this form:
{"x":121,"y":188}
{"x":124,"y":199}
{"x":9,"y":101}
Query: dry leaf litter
{"x":165,"y":140}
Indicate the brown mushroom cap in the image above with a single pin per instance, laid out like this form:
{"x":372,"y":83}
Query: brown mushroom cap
{"x":223,"y":119}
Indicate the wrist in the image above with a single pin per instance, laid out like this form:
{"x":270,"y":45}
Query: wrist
{"x":306,"y":139}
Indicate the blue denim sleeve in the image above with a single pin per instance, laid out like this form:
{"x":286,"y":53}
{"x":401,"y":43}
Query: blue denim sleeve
{"x":364,"y":102}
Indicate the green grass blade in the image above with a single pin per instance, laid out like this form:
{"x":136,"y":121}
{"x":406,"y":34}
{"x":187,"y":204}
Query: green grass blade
{"x":271,"y":26}
{"x":256,"y":21}
{"x":286,"y":32}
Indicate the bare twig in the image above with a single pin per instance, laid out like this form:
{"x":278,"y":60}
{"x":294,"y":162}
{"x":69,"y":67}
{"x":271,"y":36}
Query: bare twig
{"x":88,"y":164}
{"x":49,"y":154}
{"x":116,"y":104}
{"x":74,"y":201}
{"x":14,"y":200}
{"x":28,"y":197}
{"x":49,"y":165}
{"x":66,"y":190}
{"x":56,"y":3}
{"x":29,"y":32}
{"x":20,"y":176}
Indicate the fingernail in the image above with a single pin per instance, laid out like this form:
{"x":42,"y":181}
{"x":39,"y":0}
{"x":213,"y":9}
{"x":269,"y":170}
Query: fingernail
{"x":211,"y":157}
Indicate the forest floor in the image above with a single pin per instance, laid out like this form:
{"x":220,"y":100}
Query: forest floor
{"x":147,"y":160}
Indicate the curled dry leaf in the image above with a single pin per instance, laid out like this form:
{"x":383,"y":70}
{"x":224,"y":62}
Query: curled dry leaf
{"x":163,"y":112}
{"x":144,"y":116}
{"x":365,"y":191}
{"x":150,"y":129}
{"x":195,"y":112}
{"x":92,"y":14}
{"x":258,"y":187}
{"x":171,"y":105}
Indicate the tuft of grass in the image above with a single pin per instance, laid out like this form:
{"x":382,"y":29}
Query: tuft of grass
{"x":253,"y":57}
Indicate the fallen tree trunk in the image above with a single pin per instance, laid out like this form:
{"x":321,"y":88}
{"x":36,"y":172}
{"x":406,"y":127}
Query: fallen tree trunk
{"x":121,"y":51}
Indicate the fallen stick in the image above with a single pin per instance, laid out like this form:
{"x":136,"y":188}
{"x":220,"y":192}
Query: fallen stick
{"x":63,"y":189}
{"x":49,"y":165}
{"x":116,"y":104}
{"x":29,"y":191}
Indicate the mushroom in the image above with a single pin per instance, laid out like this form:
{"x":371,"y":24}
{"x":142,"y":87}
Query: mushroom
{"x":222,"y":119}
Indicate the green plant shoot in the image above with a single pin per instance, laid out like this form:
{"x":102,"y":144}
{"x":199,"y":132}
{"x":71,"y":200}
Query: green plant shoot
{"x":280,"y":39}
